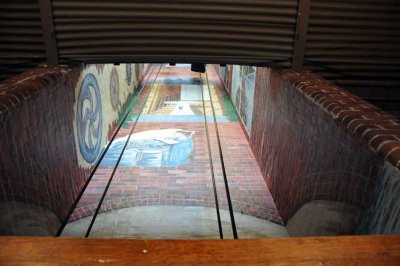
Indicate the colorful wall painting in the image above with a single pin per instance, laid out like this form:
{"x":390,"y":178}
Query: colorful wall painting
{"x":152,"y":148}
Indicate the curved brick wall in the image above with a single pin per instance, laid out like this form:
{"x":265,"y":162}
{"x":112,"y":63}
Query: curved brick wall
{"x":367,"y":123}
{"x":239,"y":206}
{"x":40,"y":161}
{"x":32,"y":124}
{"x":314,"y":140}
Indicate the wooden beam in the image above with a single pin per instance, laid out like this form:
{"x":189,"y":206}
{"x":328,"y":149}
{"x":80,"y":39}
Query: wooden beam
{"x":299,"y":46}
{"x":50,"y":42}
{"x":353,"y":250}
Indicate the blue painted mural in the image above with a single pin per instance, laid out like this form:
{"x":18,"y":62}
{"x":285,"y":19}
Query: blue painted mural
{"x":89,"y":118}
{"x":152,"y":148}
{"x":179,"y":81}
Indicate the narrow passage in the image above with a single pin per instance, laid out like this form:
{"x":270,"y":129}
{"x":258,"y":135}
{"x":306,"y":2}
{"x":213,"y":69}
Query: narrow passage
{"x":162,"y":177}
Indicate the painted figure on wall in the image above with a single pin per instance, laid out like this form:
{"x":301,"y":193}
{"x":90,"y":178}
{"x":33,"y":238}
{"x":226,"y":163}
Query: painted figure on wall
{"x":152,"y":148}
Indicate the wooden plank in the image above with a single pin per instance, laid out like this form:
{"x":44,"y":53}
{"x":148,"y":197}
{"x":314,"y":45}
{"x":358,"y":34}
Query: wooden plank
{"x":354,"y":250}
{"x":50,"y":42}
{"x":299,"y":46}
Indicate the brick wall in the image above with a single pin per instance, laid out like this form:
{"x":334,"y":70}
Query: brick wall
{"x":316,"y":141}
{"x":37,"y":147}
{"x":41,"y":162}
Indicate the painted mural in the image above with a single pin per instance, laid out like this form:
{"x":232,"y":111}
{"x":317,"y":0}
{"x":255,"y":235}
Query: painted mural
{"x":242,"y":93}
{"x":179,"y":81}
{"x":138,"y":70}
{"x":114,"y":89}
{"x":383,"y":214}
{"x":128,"y":70}
{"x":152,"y":148}
{"x":100,"y":97}
{"x":183,"y":100}
{"x":89,"y":118}
{"x":225,"y":75}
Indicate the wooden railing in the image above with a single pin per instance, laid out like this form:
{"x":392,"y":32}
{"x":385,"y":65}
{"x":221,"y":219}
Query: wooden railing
{"x":346,"y":250}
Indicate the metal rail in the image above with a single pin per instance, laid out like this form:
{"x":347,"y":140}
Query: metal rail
{"x":221,"y":157}
{"x":221,"y":235}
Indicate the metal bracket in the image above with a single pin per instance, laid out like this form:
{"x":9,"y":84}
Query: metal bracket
{"x":49,"y":35}
{"x":299,"y":46}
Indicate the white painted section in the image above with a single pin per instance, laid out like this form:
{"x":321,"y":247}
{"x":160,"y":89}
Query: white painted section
{"x":193,"y":93}
{"x":182,"y":108}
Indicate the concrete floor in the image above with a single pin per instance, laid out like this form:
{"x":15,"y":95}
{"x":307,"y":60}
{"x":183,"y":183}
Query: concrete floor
{"x":323,"y":218}
{"x":171,"y":222}
{"x":22,"y":219}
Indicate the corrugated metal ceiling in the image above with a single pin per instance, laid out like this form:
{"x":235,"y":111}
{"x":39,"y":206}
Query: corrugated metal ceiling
{"x":353,"y":43}
{"x":175,"y":30}
{"x":356,"y":44}
{"x":21,"y":39}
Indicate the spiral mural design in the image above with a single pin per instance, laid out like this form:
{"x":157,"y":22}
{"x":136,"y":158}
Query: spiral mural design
{"x":89,"y":118}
